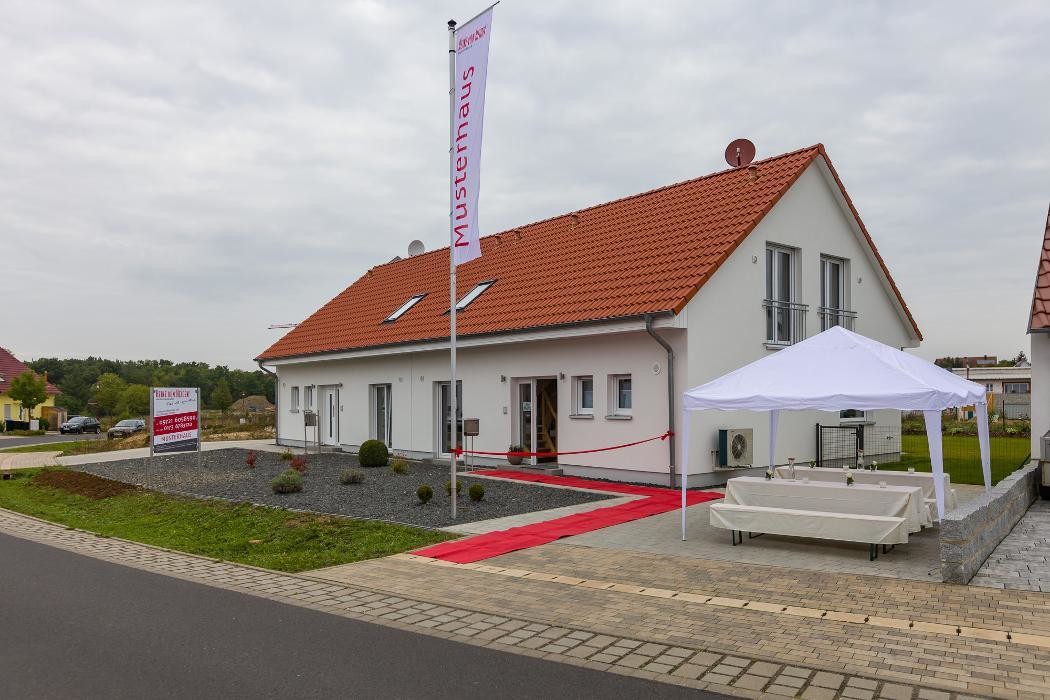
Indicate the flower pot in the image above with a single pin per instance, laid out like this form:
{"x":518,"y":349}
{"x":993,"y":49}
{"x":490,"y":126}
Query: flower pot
{"x":514,"y":460}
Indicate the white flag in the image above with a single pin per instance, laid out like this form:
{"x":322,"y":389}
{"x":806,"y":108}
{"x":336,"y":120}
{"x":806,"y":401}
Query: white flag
{"x":472,"y":60}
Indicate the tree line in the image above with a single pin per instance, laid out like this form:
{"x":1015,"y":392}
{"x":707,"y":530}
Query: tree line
{"x":120,"y":388}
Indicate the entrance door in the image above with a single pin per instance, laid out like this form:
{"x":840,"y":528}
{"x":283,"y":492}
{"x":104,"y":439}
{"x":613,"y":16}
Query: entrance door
{"x":329,"y":426}
{"x":538,"y":416}
{"x":526,"y":429}
{"x":446,"y":419}
{"x":381,"y":413}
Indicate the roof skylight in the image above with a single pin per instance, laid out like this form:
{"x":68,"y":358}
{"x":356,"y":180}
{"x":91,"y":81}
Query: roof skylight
{"x":474,"y":294}
{"x":401,"y":310}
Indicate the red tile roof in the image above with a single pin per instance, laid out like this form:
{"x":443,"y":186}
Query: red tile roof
{"x":647,"y":253}
{"x":1039,"y":320}
{"x":11,"y":367}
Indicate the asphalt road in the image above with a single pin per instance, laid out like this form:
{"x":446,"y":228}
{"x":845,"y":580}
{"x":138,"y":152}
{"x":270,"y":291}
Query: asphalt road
{"x":77,"y":627}
{"x":40,"y":439}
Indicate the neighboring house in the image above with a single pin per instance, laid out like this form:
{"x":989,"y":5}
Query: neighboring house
{"x":11,"y":367}
{"x":1039,"y":329}
{"x":1010,"y":389}
{"x":563,"y":325}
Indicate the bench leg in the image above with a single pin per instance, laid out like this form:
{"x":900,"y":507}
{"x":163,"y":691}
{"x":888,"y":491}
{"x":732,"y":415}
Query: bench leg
{"x":751,"y":535}
{"x":736,"y":540}
{"x":873,"y":552}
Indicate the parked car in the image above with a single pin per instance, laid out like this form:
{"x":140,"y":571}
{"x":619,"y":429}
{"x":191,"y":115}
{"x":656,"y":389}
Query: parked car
{"x":81,"y":424}
{"x":126,"y":427}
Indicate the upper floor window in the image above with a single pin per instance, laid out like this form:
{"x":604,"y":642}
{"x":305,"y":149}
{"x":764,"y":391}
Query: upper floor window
{"x":834,"y":302}
{"x":401,"y":310}
{"x":785,"y":319}
{"x":1017,"y":387}
{"x":473,"y":294}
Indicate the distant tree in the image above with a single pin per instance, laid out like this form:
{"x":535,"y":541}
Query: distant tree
{"x":221,"y":398}
{"x":29,"y":390}
{"x":1021,"y":357}
{"x":109,"y":393}
{"x":136,"y":400}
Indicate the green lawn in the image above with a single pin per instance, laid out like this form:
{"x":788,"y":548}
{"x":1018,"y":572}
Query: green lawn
{"x":62,"y":447}
{"x":284,"y":541}
{"x":962,"y":456}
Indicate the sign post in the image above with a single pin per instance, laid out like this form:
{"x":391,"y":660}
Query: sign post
{"x":175,"y":421}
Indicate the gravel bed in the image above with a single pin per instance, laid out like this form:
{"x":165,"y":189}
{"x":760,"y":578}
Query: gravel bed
{"x":383,"y":495}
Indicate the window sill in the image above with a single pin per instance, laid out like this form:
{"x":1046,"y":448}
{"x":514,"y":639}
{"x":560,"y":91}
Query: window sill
{"x":293,"y":410}
{"x":777,"y":346}
{"x":619,"y":416}
{"x":582,"y":416}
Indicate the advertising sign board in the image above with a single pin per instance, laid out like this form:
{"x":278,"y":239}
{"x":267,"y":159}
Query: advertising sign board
{"x":174,"y":420}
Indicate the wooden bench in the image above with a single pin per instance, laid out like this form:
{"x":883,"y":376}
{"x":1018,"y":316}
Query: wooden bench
{"x":872,"y":530}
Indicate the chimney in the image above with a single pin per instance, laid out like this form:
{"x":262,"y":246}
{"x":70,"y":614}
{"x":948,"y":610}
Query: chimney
{"x":752,"y":172}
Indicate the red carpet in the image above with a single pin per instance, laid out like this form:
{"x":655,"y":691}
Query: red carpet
{"x":493,"y":544}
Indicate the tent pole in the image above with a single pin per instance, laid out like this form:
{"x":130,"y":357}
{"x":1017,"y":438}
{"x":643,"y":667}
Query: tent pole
{"x":933,"y":439}
{"x":774,"y":421}
{"x":982,"y":438}
{"x":684,"y":470}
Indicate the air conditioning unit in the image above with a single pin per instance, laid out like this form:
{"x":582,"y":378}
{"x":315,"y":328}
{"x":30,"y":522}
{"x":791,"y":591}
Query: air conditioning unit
{"x":736,"y":447}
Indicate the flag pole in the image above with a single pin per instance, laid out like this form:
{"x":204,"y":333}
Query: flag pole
{"x":453,"y":437}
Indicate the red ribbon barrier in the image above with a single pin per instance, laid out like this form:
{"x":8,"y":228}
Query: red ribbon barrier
{"x":459,"y":451}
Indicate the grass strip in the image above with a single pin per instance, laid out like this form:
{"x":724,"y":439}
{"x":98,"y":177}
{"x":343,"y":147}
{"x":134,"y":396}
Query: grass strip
{"x":265,"y":537}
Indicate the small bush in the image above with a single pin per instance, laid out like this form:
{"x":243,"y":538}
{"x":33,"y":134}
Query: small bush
{"x":373,"y":453}
{"x":45,"y":424}
{"x":424,"y":493}
{"x":448,"y":487}
{"x":286,"y":456}
{"x":476,"y":492}
{"x":352,"y":476}
{"x":288,"y":481}
{"x":398,"y":466}
{"x":298,"y":463}
{"x":251,"y":458}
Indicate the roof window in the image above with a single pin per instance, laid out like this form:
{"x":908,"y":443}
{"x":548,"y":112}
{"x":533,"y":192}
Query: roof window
{"x":474,"y":294}
{"x":401,"y":310}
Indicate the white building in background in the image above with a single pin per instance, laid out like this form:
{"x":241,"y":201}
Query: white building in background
{"x":1009,"y":389}
{"x":1039,"y":329}
{"x":581,"y":331}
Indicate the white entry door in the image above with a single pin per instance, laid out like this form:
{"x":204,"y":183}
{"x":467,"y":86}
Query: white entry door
{"x":329,"y":416}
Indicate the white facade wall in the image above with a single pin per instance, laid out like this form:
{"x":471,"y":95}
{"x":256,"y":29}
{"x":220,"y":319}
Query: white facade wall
{"x":726,"y":321}
{"x":1040,"y":390}
{"x":415,"y":377}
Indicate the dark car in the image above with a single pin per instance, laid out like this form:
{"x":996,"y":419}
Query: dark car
{"x":126,"y":427}
{"x":80,"y":424}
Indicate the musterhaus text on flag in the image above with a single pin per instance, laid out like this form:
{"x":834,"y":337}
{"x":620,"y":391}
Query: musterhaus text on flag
{"x":472,"y":59}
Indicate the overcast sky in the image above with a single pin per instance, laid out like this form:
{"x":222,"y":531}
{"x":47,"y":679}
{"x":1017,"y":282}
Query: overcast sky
{"x":176,"y":176}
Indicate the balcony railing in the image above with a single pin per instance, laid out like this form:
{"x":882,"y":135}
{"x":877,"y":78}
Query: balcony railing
{"x":836,"y":317}
{"x":785,"y":321}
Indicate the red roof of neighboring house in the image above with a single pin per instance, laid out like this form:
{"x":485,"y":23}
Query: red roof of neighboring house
{"x":11,"y":367}
{"x":1039,"y":320}
{"x":647,"y":253}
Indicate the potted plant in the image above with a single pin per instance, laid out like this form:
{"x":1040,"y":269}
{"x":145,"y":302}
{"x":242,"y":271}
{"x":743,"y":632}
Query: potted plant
{"x":513,"y":458}
{"x":849,"y":480}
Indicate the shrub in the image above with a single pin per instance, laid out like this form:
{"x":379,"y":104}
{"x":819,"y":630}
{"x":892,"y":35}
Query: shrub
{"x":288,"y":481}
{"x":45,"y":424}
{"x":398,"y":466}
{"x":424,"y":493}
{"x":298,"y":463}
{"x":373,"y":453}
{"x":352,"y":476}
{"x":448,"y":487}
{"x":251,"y":458}
{"x":476,"y":492}
{"x":286,"y":455}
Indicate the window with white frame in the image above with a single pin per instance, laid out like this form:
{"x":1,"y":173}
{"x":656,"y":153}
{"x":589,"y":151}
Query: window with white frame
{"x":1017,"y":388}
{"x":621,"y":400}
{"x":834,"y":305}
{"x":584,"y":393}
{"x":853,"y":415}
{"x":381,"y":413}
{"x":784,"y":318}
{"x":308,"y":396}
{"x":295,"y":399}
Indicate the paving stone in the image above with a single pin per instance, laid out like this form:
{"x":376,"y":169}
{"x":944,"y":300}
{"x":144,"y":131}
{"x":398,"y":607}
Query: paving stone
{"x":633,"y":661}
{"x":659,"y":668}
{"x":796,"y":671}
{"x":605,"y":658}
{"x":736,"y":661}
{"x":892,"y":691}
{"x":815,"y":693}
{"x":651,"y":649}
{"x":865,"y":683}
{"x":790,"y":681}
{"x":823,"y":679}
{"x":689,"y":671}
{"x":782,"y":690}
{"x":763,"y":668}
{"x":705,"y":658}
{"x":718,"y":678}
{"x":749,"y":682}
{"x":857,"y":693}
{"x":929,"y":694}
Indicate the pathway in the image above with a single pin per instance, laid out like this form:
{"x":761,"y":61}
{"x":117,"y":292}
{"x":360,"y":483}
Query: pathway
{"x":1022,"y":560}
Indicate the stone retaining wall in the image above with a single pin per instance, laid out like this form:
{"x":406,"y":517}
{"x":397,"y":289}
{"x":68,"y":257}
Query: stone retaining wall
{"x":972,"y":531}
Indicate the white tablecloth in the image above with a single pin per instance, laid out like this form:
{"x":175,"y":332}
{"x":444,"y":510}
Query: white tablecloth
{"x":905,"y":502}
{"x":892,"y":477}
{"x":841,"y":527}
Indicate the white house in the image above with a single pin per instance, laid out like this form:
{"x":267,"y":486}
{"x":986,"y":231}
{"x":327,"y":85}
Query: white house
{"x":1009,"y":389}
{"x":1039,"y":329}
{"x":581,"y":331}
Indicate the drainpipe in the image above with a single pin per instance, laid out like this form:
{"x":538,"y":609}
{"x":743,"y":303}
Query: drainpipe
{"x":670,"y":393}
{"x":276,"y":403}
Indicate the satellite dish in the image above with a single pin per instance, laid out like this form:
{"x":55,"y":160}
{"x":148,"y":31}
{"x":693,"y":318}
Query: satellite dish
{"x":416,"y":248}
{"x":740,"y":153}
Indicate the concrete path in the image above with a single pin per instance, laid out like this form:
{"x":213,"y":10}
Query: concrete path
{"x":1022,"y":560}
{"x":25,"y":460}
{"x":143,"y":452}
{"x":78,"y":627}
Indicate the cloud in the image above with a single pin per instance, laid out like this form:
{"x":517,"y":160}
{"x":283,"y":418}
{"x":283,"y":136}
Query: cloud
{"x":235,"y":164}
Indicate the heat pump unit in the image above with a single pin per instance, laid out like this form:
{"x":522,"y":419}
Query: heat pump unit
{"x":736,"y":447}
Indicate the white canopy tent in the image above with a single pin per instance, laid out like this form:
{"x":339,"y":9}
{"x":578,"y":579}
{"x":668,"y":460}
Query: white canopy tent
{"x":838,"y":370}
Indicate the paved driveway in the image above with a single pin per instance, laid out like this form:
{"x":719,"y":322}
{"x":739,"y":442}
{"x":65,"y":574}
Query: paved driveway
{"x":6,"y":441}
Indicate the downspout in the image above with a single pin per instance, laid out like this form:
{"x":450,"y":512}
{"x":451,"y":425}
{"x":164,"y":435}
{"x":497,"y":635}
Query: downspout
{"x":670,"y":395}
{"x":276,"y":403}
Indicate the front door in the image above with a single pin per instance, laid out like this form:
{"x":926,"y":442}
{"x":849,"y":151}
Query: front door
{"x":381,"y":413}
{"x":537,"y":407}
{"x":445,"y":426}
{"x":329,"y":423}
